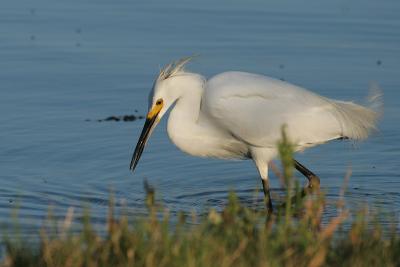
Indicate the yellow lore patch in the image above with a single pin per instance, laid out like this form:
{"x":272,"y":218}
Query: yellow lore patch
{"x":155,"y":109}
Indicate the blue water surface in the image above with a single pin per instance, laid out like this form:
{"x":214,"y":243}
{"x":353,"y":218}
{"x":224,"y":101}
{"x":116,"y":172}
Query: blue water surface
{"x":65,"y":64}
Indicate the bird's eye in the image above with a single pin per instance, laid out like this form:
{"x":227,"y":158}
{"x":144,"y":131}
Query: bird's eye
{"x":159,"y":102}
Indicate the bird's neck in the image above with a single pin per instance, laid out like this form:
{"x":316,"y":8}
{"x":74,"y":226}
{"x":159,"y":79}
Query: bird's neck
{"x":194,"y":132}
{"x":185,"y":113}
{"x":184,"y":125}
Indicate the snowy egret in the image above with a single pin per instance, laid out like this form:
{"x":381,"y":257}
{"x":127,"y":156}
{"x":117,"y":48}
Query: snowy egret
{"x":238,"y":115}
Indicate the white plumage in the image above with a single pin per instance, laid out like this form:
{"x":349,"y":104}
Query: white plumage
{"x":240,"y":115}
{"x":254,"y":107}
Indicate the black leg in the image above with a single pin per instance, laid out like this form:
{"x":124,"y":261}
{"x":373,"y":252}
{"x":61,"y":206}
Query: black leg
{"x":313,"y":180}
{"x":267,"y":195}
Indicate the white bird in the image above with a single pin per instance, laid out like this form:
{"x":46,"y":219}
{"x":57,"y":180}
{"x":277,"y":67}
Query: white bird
{"x":239,"y":115}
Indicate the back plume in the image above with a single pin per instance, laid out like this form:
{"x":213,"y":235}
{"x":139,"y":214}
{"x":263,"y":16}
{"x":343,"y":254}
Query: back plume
{"x":358,"y":121}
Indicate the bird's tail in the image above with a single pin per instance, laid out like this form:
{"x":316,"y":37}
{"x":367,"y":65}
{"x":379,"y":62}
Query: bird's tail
{"x":358,"y":121}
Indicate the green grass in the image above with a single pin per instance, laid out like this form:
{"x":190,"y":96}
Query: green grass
{"x":237,"y":236}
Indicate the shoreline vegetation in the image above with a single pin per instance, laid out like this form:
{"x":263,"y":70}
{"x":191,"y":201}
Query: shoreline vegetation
{"x":237,"y":236}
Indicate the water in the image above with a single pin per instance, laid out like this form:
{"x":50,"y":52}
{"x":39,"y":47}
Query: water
{"x":65,"y":62}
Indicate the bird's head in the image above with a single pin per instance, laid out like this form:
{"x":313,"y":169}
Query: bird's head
{"x":161,"y":98}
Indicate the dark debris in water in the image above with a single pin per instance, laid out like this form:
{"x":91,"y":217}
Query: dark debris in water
{"x":125,"y":118}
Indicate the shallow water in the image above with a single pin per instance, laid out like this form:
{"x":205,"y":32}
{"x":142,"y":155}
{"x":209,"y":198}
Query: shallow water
{"x":65,"y":62}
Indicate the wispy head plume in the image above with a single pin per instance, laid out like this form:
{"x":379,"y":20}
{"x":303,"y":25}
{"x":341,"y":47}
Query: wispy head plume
{"x":173,"y":68}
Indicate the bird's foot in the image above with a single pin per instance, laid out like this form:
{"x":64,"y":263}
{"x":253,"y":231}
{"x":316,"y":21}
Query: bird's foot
{"x":313,"y":184}
{"x":312,"y":187}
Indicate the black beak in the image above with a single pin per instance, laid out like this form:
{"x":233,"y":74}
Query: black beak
{"x":144,"y":136}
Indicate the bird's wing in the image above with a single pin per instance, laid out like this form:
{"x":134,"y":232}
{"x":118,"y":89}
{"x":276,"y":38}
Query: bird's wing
{"x":253,"y":108}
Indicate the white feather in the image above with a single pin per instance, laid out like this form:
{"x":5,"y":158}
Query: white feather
{"x":240,"y":115}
